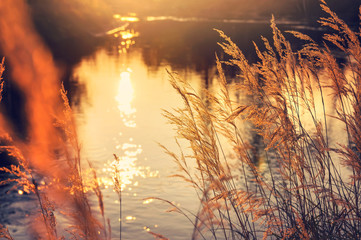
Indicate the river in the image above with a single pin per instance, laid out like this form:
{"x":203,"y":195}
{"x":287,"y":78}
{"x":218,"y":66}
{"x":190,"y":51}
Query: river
{"x":117,"y":92}
{"x":124,"y":87}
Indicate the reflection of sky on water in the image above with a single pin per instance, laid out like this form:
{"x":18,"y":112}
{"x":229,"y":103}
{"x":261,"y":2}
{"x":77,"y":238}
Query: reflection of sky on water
{"x":124,"y":99}
{"x":120,"y":113}
{"x":124,"y":37}
{"x":113,"y":112}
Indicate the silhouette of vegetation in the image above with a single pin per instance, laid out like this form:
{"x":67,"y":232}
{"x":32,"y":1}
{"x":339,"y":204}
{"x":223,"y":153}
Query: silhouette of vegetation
{"x":306,"y":182}
{"x":292,"y":180}
{"x":237,"y":9}
{"x":46,"y":162}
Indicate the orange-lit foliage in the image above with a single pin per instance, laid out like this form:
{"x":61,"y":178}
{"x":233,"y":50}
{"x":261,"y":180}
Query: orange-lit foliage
{"x":51,"y":149}
{"x":34,"y":71}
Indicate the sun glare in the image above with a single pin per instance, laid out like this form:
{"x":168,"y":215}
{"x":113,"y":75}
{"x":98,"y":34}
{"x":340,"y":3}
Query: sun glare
{"x":125,"y":37}
{"x":124,"y":98}
{"x":126,"y":18}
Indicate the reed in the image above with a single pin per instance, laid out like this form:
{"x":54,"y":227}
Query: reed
{"x":72,"y":192}
{"x":117,"y":181}
{"x":47,"y":161}
{"x":291,"y":175}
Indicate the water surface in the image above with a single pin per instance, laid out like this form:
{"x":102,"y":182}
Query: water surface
{"x":118,"y":90}
{"x":119,"y":111}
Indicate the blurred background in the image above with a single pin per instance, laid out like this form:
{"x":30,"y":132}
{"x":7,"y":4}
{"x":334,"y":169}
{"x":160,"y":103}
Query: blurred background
{"x":113,"y":56}
{"x":81,"y":24}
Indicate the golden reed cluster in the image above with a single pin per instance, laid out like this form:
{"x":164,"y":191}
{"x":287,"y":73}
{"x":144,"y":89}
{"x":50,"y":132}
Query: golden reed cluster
{"x":265,"y":166}
{"x":276,"y":153}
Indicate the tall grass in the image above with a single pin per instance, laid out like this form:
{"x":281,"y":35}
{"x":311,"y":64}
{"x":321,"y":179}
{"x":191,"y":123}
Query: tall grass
{"x":300,"y":119}
{"x":47,"y":162}
{"x":57,"y":196}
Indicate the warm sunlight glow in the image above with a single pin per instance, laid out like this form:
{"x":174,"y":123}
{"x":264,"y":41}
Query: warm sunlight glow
{"x":117,"y":16}
{"x":129,"y":34}
{"x":147,"y":201}
{"x":129,"y":19}
{"x":130,"y":218}
{"x":173,"y":18}
{"x":124,"y":99}
{"x":125,"y":37}
{"x":125,"y":18}
{"x":117,"y":30}
{"x":127,"y":168}
{"x":127,"y":162}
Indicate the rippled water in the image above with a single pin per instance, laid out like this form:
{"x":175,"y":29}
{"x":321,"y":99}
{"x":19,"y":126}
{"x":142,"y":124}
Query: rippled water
{"x":124,"y":89}
{"x":120,"y":113}
{"x":118,"y":92}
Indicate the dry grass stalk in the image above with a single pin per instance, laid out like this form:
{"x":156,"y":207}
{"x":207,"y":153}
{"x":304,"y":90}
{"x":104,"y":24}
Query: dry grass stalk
{"x":85,"y":225}
{"x":4,"y":233}
{"x":301,"y":192}
{"x":49,"y":160}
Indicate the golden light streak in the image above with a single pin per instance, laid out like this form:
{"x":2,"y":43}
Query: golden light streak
{"x":132,"y":18}
{"x":147,"y":201}
{"x":125,"y":37}
{"x":124,"y":98}
{"x":116,"y":30}
{"x":130,"y":218}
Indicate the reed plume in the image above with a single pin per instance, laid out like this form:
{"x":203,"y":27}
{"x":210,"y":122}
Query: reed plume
{"x":48,"y":162}
{"x":291,"y":176}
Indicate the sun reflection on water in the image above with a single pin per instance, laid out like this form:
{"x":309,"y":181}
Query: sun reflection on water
{"x":128,"y":152}
{"x":126,"y":164}
{"x":127,"y":171}
{"x":114,"y":119}
{"x":124,"y":99}
{"x":131,"y":18}
{"x":124,"y":37}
